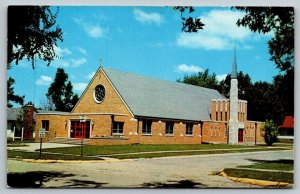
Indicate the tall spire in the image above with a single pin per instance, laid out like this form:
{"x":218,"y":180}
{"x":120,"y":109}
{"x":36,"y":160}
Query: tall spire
{"x":234,"y":65}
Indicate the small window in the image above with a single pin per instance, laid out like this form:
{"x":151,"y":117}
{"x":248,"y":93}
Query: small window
{"x":189,"y":129}
{"x":169,"y":127}
{"x":118,"y":128}
{"x":147,"y":126}
{"x":225,"y":116}
{"x":45,"y":124}
{"x":217,"y":116}
{"x":221,"y":116}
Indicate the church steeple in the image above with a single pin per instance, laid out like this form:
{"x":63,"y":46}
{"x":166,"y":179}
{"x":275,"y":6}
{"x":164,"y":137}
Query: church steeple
{"x":234,"y":66}
{"x":233,"y":121}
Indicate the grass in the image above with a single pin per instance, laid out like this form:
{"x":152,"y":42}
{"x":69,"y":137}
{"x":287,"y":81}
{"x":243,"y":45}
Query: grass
{"x":283,"y":165}
{"x":256,"y":170}
{"x":124,"y":150}
{"x":259,"y":175}
{"x":45,"y":156}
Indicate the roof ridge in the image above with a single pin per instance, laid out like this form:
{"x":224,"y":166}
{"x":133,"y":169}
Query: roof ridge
{"x":159,"y":79}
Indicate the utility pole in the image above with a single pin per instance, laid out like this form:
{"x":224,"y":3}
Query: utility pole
{"x":82,"y":121}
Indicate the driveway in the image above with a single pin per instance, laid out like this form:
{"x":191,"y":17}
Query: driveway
{"x":183,"y":171}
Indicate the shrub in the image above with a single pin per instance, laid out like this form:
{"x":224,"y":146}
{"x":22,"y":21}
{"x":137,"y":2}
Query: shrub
{"x":270,"y":130}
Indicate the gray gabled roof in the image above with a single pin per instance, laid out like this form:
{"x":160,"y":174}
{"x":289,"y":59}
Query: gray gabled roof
{"x":12,"y":113}
{"x":150,"y":97}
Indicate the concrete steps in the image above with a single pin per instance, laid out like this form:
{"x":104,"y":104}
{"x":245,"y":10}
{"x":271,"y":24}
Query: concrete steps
{"x":74,"y":141}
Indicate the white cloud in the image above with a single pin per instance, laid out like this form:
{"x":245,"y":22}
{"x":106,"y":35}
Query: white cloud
{"x":188,"y":68}
{"x":149,"y":18}
{"x":78,"y":62}
{"x":204,"y":41}
{"x":44,"y":80}
{"x":82,"y":50}
{"x":79,"y":86}
{"x":69,"y":62}
{"x":61,"y":63}
{"x":61,"y":51}
{"x":92,"y":30}
{"x":221,"y":77}
{"x":219,"y":33}
{"x":91,"y":75}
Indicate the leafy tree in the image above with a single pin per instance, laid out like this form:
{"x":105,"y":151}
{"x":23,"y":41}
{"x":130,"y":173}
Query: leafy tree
{"x":278,"y":20}
{"x":47,"y":104}
{"x":270,"y":130}
{"x":24,"y":120}
{"x":202,"y":79}
{"x":60,"y":92}
{"x":264,"y":103}
{"x":189,"y":24}
{"x":11,"y":96}
{"x":31,"y":33}
{"x":284,"y":89}
{"x":244,"y":84}
{"x":271,"y":101}
{"x":70,"y":98}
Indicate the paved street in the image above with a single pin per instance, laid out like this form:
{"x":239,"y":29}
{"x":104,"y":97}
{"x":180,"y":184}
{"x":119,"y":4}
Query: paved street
{"x":183,"y":171}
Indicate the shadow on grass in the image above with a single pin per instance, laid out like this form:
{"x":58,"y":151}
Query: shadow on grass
{"x":281,"y":161}
{"x":174,"y":184}
{"x":36,"y":179}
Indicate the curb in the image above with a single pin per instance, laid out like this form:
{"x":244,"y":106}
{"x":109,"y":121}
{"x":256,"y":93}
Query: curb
{"x":263,"y":183}
{"x":72,"y":161}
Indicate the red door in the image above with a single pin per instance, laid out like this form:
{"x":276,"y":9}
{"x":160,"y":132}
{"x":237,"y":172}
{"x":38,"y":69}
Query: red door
{"x":241,"y":136}
{"x":80,"y":129}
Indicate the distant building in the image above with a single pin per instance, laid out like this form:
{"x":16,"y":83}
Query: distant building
{"x":12,"y":114}
{"x":124,"y":108}
{"x":286,"y":130}
{"x":29,"y":120}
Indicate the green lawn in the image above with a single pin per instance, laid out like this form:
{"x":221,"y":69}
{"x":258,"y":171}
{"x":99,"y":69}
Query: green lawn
{"x":256,"y":170}
{"x":122,"y":151}
{"x":259,"y":175}
{"x":283,"y":165}
{"x":35,"y":155}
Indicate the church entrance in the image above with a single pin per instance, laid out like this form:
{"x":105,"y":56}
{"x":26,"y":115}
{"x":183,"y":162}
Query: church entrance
{"x":80,"y":129}
{"x":241,"y":136}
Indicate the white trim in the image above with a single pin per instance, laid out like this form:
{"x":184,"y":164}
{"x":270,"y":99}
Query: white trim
{"x":75,"y":114}
{"x":53,"y":113}
{"x":69,"y":128}
{"x":120,"y":134}
{"x":105,"y":113}
{"x":117,"y":92}
{"x":94,"y":96}
{"x":146,"y":134}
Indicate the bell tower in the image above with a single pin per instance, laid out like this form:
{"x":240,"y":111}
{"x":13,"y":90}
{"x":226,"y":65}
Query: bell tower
{"x":233,"y":121}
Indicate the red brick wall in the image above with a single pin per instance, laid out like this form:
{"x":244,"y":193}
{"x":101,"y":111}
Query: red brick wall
{"x":218,"y":108}
{"x":28,"y":122}
{"x":214,"y":132}
{"x":100,"y":114}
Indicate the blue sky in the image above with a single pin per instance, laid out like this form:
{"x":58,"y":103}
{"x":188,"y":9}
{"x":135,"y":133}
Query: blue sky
{"x":146,"y":41}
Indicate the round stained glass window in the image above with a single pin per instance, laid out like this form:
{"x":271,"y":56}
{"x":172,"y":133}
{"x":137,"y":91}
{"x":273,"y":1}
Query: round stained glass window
{"x":99,"y":93}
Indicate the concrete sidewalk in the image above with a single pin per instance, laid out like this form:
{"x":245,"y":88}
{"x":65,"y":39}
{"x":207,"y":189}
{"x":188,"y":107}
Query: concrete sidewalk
{"x":31,"y":147}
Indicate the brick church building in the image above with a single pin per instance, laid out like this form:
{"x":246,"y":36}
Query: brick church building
{"x":124,"y":108}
